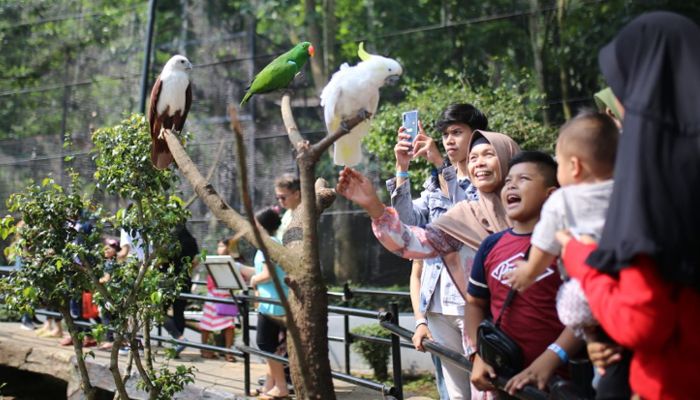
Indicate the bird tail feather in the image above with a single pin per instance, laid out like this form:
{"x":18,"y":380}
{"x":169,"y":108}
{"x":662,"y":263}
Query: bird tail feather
{"x":160,"y":154}
{"x":348,"y":149}
{"x":246,"y":97}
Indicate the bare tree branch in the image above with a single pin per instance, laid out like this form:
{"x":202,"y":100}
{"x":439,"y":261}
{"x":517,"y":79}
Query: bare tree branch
{"x":210,"y":173}
{"x":289,"y":123}
{"x":223,"y":211}
{"x":315,"y":151}
{"x":345,"y":127}
{"x":245,"y":195}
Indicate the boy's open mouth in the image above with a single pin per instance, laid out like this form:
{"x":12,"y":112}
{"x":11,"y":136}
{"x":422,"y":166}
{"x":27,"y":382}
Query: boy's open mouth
{"x":512,"y":199}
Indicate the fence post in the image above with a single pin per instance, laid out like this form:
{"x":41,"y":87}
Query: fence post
{"x":396,"y":351}
{"x":246,"y":342}
{"x":347,"y":340}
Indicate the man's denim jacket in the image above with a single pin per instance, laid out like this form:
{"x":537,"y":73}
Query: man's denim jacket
{"x":431,"y":204}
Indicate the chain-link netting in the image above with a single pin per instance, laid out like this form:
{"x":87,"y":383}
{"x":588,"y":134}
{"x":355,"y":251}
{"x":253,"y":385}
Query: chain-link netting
{"x":100,"y":85}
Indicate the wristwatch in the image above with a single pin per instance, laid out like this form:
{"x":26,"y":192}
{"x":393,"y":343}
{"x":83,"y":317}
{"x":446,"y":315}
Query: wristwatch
{"x":421,"y":321}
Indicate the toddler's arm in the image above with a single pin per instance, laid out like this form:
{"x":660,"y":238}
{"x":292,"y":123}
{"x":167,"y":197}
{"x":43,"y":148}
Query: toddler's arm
{"x":528,"y":270}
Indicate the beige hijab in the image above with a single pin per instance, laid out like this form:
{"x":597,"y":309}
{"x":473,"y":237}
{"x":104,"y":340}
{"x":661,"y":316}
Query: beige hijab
{"x":471,"y":221}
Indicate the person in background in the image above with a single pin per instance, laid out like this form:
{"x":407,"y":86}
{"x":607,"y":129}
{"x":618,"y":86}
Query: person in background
{"x":110,"y":263}
{"x":271,"y":334}
{"x":213,"y":318}
{"x":438,"y":306}
{"x":288,"y":194}
{"x":642,"y":279}
{"x":175,"y":324}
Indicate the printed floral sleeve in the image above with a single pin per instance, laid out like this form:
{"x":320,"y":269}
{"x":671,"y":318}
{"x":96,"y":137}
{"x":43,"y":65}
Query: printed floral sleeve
{"x":412,"y":242}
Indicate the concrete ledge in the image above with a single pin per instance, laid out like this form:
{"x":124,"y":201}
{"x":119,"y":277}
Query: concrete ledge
{"x":23,"y":350}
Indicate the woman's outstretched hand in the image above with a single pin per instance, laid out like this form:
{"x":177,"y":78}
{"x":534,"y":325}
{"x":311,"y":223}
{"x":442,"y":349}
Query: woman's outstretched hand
{"x":357,"y":188}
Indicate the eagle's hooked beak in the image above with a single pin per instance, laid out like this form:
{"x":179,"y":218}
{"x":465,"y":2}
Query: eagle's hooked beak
{"x":189,"y":66}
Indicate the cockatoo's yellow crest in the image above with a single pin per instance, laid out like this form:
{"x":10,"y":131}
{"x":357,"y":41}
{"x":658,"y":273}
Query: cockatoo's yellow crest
{"x":364,"y":56}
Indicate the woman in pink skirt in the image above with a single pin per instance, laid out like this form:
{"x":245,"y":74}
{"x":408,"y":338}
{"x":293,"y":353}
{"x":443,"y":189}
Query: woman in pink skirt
{"x":219,"y":316}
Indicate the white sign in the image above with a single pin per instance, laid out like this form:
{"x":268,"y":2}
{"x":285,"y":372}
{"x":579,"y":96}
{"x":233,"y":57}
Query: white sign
{"x":225,"y":272}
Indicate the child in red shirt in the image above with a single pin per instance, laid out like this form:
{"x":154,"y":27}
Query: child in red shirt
{"x":531,"y":319}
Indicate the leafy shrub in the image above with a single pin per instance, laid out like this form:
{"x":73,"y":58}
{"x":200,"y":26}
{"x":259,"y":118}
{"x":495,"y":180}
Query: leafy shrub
{"x":372,"y":301}
{"x":375,"y":354}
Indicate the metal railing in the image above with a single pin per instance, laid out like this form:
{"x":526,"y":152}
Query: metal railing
{"x":387,"y":319}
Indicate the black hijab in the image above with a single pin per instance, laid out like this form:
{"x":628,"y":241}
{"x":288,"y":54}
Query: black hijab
{"x":653,"y":67}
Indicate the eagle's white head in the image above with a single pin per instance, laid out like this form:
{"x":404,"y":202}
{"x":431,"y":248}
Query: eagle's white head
{"x":178,"y":63}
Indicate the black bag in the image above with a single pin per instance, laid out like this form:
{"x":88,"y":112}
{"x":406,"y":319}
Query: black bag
{"x":496,"y":348}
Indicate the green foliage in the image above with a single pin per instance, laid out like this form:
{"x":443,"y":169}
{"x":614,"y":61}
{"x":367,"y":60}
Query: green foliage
{"x":61,"y":261}
{"x":169,"y":382}
{"x":508,"y":110}
{"x":51,"y":246}
{"x":122,"y":156}
{"x":376,"y":354}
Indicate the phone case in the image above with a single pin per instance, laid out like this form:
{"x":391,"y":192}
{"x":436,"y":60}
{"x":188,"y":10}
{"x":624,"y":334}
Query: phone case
{"x":410,"y":123}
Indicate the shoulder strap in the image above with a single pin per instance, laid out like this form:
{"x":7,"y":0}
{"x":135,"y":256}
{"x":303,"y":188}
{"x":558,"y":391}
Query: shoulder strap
{"x":511,"y":295}
{"x":509,"y":299}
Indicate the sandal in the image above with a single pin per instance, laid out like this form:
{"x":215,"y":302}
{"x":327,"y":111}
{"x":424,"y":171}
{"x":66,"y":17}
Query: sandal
{"x":266,"y":396}
{"x":230,"y":358}
{"x":208,"y":355}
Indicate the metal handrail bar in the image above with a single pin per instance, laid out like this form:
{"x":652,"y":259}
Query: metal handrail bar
{"x":200,"y":346}
{"x":380,"y":387}
{"x":526,"y":393}
{"x":380,"y":292}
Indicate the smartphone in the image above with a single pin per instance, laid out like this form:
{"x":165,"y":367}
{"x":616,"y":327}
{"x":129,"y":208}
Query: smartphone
{"x":410,"y":123}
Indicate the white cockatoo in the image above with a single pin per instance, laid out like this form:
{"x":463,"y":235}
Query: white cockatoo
{"x":350,"y":90}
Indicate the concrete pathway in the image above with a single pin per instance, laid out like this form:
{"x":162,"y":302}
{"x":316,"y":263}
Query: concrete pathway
{"x":214,"y":379}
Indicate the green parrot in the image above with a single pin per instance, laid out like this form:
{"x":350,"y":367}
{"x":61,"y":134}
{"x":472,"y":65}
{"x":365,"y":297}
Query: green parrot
{"x":279,"y":73}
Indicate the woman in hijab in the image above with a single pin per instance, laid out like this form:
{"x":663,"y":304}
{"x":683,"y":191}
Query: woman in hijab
{"x":455,"y":235}
{"x":643,"y":279}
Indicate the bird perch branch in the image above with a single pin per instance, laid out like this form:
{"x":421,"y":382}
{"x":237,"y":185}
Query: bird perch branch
{"x":289,"y":123}
{"x":218,"y":206}
{"x":345,"y":127}
{"x":315,"y":151}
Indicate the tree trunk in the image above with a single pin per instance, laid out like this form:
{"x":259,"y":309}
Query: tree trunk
{"x":85,"y":385}
{"x":329,"y":27}
{"x":307,"y":315}
{"x":563,"y":66}
{"x":317,"y":67}
{"x":346,"y":257}
{"x":537,"y":40}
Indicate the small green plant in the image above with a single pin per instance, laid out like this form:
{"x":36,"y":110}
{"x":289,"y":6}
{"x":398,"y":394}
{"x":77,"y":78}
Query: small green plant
{"x":61,"y":247}
{"x":169,"y":382}
{"x":376,"y":354}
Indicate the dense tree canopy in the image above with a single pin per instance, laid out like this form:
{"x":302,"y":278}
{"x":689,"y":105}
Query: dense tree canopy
{"x":71,"y":65}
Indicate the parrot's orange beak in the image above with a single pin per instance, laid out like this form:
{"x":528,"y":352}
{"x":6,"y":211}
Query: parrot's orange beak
{"x":312,"y":51}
